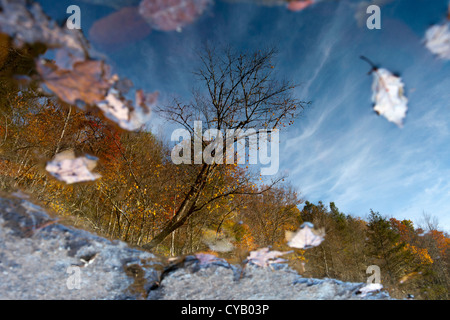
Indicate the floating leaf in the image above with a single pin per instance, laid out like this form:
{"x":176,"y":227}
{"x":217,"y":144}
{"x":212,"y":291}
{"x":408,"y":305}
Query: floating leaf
{"x":87,"y":81}
{"x":306,"y":237}
{"x":66,"y":167}
{"x":370,"y":288}
{"x":437,"y":40}
{"x":388,"y":96}
{"x":170,"y":15}
{"x":299,"y":5}
{"x":116,"y":108}
{"x":263,"y":257}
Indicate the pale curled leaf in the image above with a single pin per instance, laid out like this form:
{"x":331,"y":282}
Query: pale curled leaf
{"x":306,"y":237}
{"x":263,"y":257}
{"x":70,"y":169}
{"x":388,"y":96}
{"x":116,"y":108}
{"x":437,"y":40}
{"x":371,"y":287}
{"x":299,"y":5}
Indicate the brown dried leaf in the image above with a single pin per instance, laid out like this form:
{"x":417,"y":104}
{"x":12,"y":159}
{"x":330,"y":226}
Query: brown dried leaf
{"x":88,"y":81}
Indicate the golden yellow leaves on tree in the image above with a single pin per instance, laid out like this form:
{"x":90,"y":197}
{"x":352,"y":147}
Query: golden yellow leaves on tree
{"x":421,"y":253}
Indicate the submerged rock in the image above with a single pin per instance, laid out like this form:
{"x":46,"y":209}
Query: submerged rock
{"x":43,"y":259}
{"x":222,"y":282}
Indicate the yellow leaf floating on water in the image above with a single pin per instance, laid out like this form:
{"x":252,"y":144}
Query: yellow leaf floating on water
{"x":388,"y":96}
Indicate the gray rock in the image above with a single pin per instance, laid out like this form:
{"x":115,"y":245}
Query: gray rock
{"x":218,"y":282}
{"x":40,"y":258}
{"x":43,"y":259}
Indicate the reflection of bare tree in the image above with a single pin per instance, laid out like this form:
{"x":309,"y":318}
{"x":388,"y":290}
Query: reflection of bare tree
{"x":241,"y":92}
